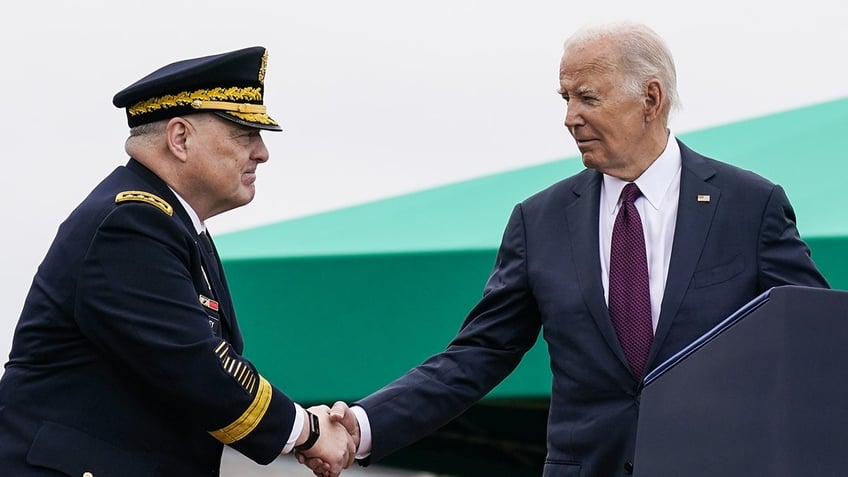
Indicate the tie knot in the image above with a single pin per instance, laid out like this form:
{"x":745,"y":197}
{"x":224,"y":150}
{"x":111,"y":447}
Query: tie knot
{"x":630,"y":193}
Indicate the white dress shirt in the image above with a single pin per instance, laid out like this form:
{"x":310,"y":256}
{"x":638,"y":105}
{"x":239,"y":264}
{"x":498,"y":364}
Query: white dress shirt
{"x":660,"y":186}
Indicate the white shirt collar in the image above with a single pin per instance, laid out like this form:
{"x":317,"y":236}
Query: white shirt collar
{"x":199,"y":226}
{"x":654,"y":182}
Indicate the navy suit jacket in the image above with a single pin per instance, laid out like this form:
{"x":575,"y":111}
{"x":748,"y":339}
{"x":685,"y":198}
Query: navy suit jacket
{"x":127,"y":354}
{"x":547,"y":277}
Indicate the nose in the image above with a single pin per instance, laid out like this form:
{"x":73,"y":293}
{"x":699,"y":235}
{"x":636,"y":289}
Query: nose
{"x":260,"y":153}
{"x":572,"y":115}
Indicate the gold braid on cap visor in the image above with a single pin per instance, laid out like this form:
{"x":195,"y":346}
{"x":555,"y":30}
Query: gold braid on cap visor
{"x":212,"y":99}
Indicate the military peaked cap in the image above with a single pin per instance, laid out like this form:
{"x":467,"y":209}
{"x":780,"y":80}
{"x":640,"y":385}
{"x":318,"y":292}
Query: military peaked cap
{"x":230,"y":85}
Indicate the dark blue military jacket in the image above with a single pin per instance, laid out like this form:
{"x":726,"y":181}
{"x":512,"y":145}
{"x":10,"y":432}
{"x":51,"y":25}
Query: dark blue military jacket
{"x":127,"y":360}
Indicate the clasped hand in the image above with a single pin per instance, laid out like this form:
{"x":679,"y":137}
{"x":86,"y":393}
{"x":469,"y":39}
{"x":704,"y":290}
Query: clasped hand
{"x":336,"y":447}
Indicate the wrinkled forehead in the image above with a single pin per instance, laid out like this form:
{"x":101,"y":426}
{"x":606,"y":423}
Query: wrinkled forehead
{"x":585,"y":74}
{"x":574,"y":70}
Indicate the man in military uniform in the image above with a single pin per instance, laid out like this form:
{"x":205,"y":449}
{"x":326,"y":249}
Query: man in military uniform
{"x":127,"y":358}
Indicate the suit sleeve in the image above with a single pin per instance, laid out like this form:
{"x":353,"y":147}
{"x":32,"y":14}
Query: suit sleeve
{"x":784,"y":258}
{"x":139,"y":305}
{"x":491,"y":342}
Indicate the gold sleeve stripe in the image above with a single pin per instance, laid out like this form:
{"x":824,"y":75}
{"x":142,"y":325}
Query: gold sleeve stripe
{"x":248,"y":421}
{"x":220,"y":346}
{"x":236,"y":367}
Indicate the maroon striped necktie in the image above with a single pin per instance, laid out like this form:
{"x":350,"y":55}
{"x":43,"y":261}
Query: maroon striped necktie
{"x":629,"y":292}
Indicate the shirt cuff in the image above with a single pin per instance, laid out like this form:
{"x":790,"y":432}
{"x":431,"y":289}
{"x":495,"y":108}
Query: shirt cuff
{"x":364,"y":449}
{"x":296,"y":428}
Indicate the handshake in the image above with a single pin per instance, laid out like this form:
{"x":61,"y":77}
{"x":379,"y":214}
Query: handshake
{"x":337,"y":443}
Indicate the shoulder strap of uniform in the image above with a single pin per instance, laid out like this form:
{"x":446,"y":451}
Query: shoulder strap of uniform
{"x":146,"y":197}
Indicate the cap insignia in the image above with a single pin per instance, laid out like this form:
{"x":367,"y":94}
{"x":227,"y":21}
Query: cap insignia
{"x":146,"y":197}
{"x":263,"y":67}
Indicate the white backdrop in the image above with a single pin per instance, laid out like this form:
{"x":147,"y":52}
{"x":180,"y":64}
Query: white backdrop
{"x":377,"y":97}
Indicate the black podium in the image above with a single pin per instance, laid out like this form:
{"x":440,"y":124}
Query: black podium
{"x":765,"y":393}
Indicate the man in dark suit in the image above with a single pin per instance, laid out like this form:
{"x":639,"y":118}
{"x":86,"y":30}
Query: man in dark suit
{"x":711,"y":237}
{"x":127,"y":358}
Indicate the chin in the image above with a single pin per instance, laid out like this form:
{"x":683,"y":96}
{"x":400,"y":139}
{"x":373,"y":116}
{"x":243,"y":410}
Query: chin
{"x":589,"y":161}
{"x":240,"y":201}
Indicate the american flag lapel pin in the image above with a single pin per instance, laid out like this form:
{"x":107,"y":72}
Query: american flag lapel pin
{"x":703,"y":197}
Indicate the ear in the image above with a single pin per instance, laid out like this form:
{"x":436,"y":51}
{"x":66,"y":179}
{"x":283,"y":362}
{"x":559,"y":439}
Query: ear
{"x":653,"y":100}
{"x":177,"y":133}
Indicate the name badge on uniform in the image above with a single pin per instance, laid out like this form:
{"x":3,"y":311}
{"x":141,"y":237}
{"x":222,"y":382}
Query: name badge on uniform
{"x":208,"y":303}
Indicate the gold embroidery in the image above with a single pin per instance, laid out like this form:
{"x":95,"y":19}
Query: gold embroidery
{"x":185,"y":98}
{"x":146,"y":197}
{"x":254,"y":118}
{"x":263,"y":67}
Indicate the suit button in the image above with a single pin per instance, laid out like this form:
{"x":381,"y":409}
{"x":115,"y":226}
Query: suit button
{"x":628,"y":468}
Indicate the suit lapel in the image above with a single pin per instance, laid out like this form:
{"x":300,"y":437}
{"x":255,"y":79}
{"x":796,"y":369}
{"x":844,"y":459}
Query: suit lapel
{"x":694,"y":218}
{"x":586,"y":253}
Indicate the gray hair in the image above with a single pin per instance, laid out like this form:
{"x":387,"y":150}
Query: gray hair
{"x":643,"y":56}
{"x":147,"y":128}
{"x":144,"y":137}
